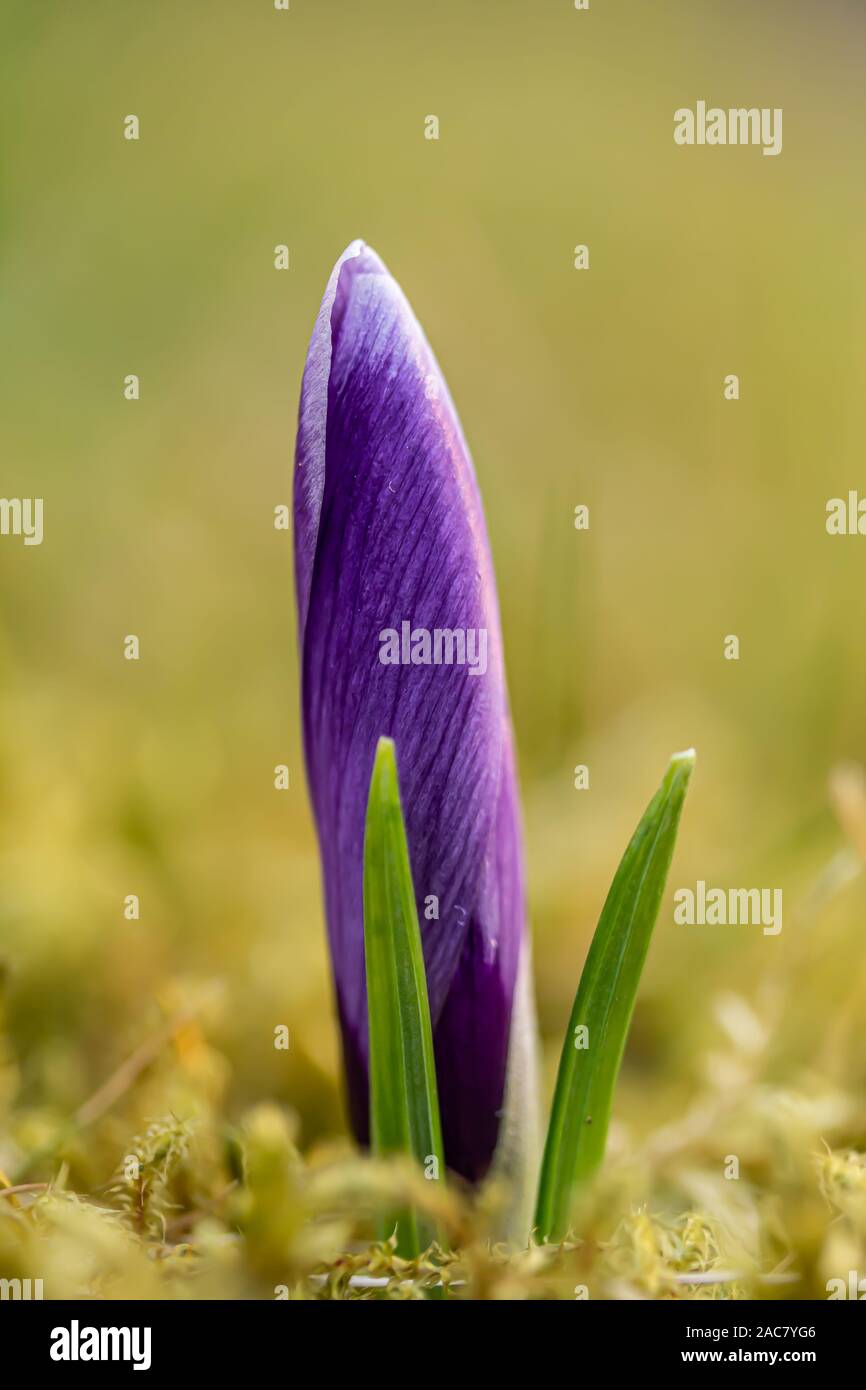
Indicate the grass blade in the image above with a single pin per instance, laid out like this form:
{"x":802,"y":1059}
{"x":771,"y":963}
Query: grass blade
{"x":604,"y":1003}
{"x":404,"y":1108}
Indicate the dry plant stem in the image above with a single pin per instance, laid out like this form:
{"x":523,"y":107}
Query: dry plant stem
{"x":111,"y":1090}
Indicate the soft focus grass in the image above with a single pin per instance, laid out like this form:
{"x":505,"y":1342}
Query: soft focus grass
{"x":706,"y":518}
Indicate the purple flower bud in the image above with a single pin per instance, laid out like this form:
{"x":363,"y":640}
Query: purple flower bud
{"x":399,"y":636}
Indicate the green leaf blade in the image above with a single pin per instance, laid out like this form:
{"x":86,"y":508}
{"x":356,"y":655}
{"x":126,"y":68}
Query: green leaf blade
{"x":604,"y":1003}
{"x":404,"y":1107}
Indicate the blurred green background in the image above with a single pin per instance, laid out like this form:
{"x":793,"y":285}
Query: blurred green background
{"x":602,"y":387}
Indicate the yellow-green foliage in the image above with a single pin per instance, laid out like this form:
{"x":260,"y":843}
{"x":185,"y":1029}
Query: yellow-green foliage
{"x":199,"y":1208}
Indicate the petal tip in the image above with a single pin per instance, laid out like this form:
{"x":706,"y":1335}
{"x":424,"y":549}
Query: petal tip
{"x":355,"y":247}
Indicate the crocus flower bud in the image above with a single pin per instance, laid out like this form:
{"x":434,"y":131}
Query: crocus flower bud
{"x":399,"y":636}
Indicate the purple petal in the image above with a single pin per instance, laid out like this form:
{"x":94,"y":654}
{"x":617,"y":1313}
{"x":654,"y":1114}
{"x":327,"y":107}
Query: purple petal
{"x":389,"y":529}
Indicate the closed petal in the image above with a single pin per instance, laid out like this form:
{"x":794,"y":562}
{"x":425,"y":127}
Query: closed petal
{"x":390,"y":539}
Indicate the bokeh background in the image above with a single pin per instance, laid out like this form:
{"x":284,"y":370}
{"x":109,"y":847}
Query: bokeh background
{"x":602,"y":387}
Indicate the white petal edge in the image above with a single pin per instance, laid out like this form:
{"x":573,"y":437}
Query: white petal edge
{"x":312,"y":430}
